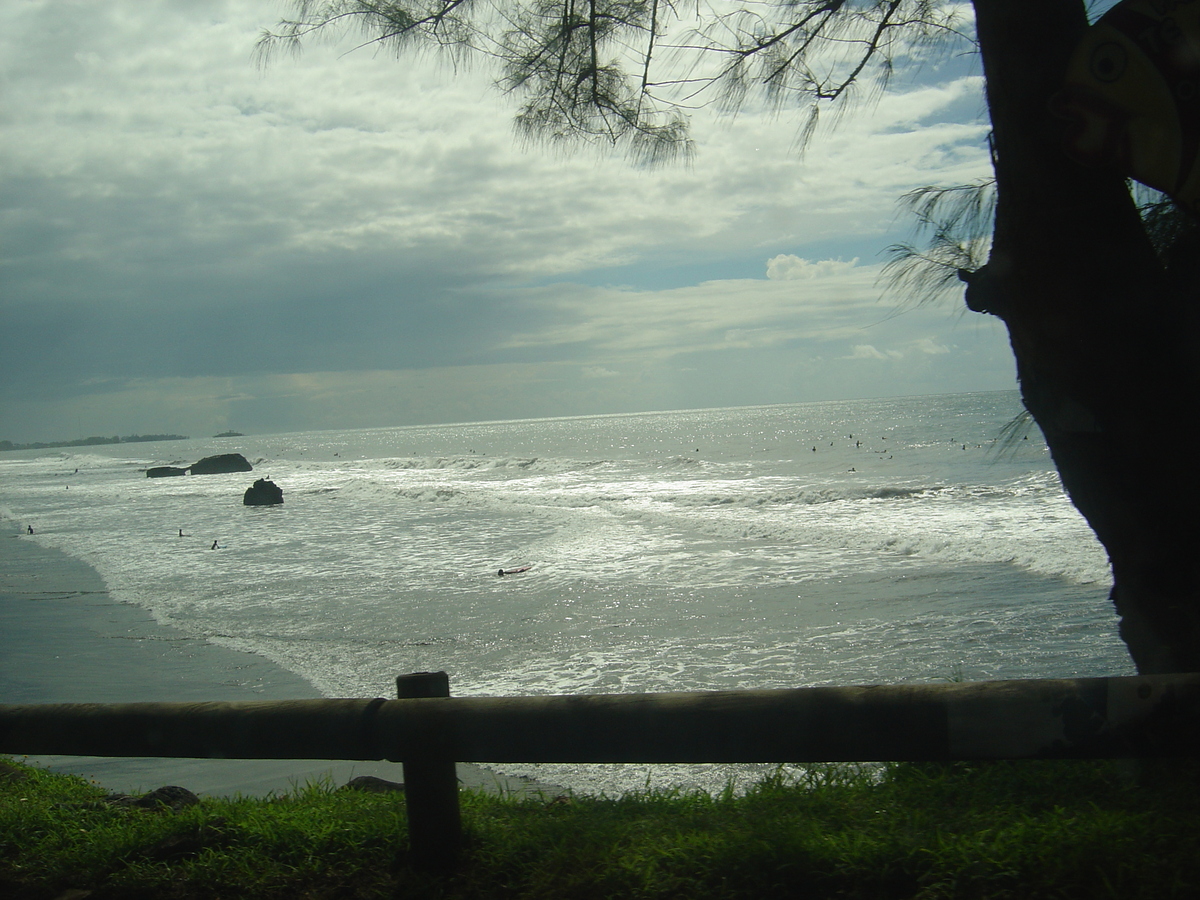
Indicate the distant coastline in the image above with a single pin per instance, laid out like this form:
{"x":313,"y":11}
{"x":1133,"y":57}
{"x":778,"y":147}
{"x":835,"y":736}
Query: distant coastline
{"x":93,"y":441}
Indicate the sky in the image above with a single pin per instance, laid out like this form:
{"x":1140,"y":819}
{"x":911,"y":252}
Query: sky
{"x":190,"y":242}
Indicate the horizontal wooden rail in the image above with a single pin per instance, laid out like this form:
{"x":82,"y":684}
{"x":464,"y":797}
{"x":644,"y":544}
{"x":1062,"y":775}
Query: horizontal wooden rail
{"x":1077,"y":718}
{"x":429,"y":731}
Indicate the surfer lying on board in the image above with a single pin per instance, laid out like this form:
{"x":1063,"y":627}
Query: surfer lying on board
{"x":515,"y":571}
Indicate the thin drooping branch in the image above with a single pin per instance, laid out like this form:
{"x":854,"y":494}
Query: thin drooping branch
{"x":868,"y":54}
{"x":596,"y":73}
{"x":956,"y":226}
{"x":445,"y":23}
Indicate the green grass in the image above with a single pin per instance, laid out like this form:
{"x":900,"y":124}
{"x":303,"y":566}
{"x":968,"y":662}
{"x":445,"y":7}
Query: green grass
{"x":1000,"y":830}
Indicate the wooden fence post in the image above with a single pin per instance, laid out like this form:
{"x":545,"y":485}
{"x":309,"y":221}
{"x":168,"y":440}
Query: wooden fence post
{"x":430,"y":785}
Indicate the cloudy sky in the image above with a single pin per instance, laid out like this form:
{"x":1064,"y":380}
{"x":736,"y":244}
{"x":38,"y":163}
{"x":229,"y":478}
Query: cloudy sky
{"x":190,"y":243}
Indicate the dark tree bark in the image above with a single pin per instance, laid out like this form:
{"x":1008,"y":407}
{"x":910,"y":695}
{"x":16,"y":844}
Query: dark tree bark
{"x":1104,"y":340}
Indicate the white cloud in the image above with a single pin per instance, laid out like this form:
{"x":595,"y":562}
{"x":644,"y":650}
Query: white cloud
{"x":789,"y":267}
{"x":867,"y":351}
{"x":734,"y":313}
{"x":926,"y":345}
{"x":930,"y":346}
{"x":166,"y":202}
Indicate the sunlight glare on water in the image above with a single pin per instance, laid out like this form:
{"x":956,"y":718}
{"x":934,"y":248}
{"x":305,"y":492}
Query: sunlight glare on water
{"x":850,"y":542}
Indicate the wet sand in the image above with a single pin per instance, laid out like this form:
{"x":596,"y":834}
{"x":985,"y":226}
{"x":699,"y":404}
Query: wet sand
{"x":63,"y":639}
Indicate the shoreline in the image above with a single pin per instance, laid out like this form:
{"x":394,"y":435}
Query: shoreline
{"x":63,"y":639}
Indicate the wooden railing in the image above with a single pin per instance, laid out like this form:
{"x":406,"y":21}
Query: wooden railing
{"x":429,"y":731}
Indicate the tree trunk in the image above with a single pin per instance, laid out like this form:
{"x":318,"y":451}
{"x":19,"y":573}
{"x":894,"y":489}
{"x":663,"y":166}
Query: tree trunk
{"x":1104,"y":342}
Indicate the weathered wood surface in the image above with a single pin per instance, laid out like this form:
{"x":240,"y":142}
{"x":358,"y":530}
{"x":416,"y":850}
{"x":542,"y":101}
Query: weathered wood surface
{"x":431,"y":788}
{"x":1131,"y":716}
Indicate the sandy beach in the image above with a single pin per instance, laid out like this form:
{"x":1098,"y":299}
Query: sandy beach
{"x":63,"y":639}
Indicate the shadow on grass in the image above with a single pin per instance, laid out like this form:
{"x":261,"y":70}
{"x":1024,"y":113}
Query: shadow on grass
{"x":998,"y":830}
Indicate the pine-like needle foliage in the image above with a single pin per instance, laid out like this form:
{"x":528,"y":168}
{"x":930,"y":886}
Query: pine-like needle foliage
{"x":957,"y":225}
{"x":1175,"y":234}
{"x":568,"y":60}
{"x":625,"y":72}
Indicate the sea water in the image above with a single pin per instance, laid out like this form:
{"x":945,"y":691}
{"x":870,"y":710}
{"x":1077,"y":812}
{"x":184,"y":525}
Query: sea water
{"x":855,"y":542}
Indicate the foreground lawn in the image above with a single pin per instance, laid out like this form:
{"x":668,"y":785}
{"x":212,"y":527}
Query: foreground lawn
{"x":999,"y":830}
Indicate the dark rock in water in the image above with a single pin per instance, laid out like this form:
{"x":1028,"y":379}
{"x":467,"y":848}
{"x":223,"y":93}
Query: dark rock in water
{"x":164,"y":471}
{"x":263,"y":493}
{"x":217,"y":465}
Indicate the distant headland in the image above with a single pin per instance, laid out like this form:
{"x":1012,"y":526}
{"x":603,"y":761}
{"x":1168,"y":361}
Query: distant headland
{"x":229,"y":434}
{"x":93,"y":441}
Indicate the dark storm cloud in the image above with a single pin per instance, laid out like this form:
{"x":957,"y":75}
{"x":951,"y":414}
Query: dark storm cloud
{"x":331,"y":311}
{"x":348,"y":239}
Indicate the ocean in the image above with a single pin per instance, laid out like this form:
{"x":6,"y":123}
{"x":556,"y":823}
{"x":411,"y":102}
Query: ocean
{"x":849,"y":542}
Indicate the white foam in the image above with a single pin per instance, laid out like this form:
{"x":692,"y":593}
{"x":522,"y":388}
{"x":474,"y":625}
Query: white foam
{"x":684,"y":551}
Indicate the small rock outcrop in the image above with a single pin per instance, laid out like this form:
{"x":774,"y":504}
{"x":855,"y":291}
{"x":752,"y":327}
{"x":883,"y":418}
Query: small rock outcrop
{"x":189,"y":841}
{"x":263,"y":493}
{"x":218,"y":465}
{"x":169,"y":796}
{"x":10,"y":774}
{"x":164,"y":471}
{"x":372,"y":785}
